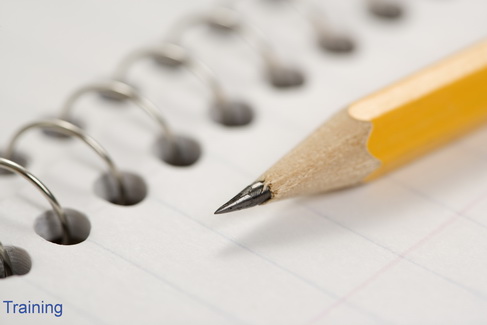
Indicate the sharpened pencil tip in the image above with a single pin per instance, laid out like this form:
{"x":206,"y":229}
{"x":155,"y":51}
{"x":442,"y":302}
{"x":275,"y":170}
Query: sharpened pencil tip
{"x":254,"y":194}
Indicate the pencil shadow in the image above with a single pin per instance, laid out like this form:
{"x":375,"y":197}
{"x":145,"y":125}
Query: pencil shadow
{"x":356,"y":204}
{"x":318,"y":219}
{"x":288,"y":227}
{"x":300,"y":222}
{"x":432,"y":187}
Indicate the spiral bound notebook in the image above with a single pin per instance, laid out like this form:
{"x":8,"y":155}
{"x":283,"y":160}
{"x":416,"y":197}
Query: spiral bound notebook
{"x":407,"y":249}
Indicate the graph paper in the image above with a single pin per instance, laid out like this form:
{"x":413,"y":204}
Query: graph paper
{"x":409,"y":248}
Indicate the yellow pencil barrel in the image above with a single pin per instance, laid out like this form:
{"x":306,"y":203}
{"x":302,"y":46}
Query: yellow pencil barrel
{"x":427,"y":109}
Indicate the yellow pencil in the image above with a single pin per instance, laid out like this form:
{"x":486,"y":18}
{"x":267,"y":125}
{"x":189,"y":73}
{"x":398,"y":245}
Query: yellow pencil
{"x":380,"y":132}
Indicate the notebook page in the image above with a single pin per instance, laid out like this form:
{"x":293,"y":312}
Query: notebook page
{"x":406,"y":249}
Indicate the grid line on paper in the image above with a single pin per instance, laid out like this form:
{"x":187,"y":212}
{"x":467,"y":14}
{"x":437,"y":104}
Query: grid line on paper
{"x":435,"y":201}
{"x":193,"y":297}
{"x":451,"y":281}
{"x":345,"y":298}
{"x":275,"y":264}
{"x":93,"y":318}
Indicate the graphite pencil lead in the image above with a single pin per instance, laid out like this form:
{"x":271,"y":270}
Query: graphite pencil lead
{"x":254,"y":194}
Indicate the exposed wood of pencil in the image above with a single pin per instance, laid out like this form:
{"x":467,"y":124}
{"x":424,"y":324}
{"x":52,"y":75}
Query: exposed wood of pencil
{"x":388,"y":128}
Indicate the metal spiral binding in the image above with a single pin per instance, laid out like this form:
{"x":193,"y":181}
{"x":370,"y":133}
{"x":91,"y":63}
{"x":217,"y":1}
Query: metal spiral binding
{"x":227,"y":20}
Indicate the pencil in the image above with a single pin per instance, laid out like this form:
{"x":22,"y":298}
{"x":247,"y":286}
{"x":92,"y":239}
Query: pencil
{"x":380,"y":132}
